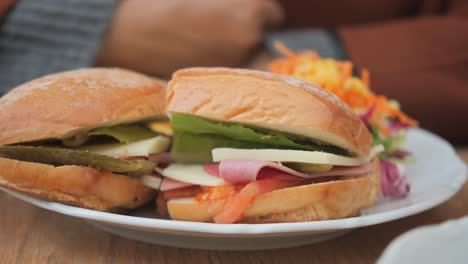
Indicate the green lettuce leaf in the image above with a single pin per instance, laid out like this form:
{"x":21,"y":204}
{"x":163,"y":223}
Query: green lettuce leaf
{"x":196,"y":148}
{"x":390,"y":143}
{"x":195,"y":137}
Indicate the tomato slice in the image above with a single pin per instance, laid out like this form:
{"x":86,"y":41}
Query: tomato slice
{"x":236,"y":206}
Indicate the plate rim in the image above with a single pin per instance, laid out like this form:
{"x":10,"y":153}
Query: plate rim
{"x":163,"y":225}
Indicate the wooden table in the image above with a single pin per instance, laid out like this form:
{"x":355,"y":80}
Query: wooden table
{"x":32,"y":235}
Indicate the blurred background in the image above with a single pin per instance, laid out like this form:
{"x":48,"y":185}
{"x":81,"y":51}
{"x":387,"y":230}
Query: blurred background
{"x":416,"y":51}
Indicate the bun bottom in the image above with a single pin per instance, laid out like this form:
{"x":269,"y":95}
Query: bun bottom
{"x":313,"y":202}
{"x":74,"y":185}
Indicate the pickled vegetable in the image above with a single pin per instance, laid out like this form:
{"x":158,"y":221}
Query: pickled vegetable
{"x":60,"y":156}
{"x":309,"y":167}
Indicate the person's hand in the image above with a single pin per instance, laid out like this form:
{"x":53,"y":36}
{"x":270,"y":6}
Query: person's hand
{"x":160,"y":36}
{"x":5,"y":5}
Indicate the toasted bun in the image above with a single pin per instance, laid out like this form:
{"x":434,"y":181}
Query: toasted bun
{"x":57,"y":105}
{"x":270,"y":101}
{"x":74,"y":185}
{"x":321,"y":201}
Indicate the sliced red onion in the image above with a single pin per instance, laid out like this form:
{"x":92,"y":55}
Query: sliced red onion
{"x":396,"y":126}
{"x":366,"y":116}
{"x":163,"y":158}
{"x":168,"y":184}
{"x":394,"y":182}
{"x":158,"y":170}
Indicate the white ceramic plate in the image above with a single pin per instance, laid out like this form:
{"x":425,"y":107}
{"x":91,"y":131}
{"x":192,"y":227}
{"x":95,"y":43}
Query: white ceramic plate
{"x":442,"y":243}
{"x":437,"y":174}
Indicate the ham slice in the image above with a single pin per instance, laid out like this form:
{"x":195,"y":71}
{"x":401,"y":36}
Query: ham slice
{"x":238,"y":171}
{"x":168,"y":184}
{"x":244,"y":171}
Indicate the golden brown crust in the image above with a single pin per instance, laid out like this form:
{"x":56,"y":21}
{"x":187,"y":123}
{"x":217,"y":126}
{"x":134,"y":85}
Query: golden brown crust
{"x":56,"y":105}
{"x":267,"y":100}
{"x":74,"y":185}
{"x":321,"y":201}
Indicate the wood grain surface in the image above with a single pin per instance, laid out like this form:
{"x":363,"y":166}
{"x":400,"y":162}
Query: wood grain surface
{"x":32,"y":235}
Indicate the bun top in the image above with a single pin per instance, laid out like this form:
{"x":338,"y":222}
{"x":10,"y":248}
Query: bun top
{"x":269,"y":101}
{"x":57,"y":105}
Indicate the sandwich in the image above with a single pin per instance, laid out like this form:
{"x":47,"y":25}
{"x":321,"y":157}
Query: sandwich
{"x":257,"y":147}
{"x":82,"y":138}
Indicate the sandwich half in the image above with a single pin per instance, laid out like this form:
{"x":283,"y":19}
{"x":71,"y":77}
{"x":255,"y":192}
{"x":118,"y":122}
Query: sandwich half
{"x":256,"y":147}
{"x":81,"y":138}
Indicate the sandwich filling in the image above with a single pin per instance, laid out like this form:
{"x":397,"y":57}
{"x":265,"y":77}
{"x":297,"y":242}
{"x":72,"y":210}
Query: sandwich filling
{"x":236,"y":163}
{"x":195,"y":137}
{"x":125,"y":149}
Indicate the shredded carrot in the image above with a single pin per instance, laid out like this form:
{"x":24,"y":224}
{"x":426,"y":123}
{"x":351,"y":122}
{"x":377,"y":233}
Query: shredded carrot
{"x":311,"y":55}
{"x":337,"y":77}
{"x":346,"y":70}
{"x":365,"y":77}
{"x":284,"y":50}
{"x":241,"y":201}
{"x":216,"y":193}
{"x":382,"y":128}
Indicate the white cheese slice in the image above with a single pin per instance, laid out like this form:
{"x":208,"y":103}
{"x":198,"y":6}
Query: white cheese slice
{"x":151,"y":181}
{"x":192,"y":173}
{"x":283,"y":155}
{"x":139,"y":148}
